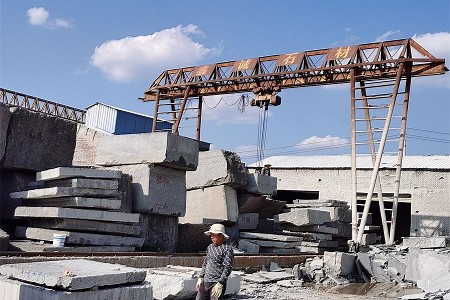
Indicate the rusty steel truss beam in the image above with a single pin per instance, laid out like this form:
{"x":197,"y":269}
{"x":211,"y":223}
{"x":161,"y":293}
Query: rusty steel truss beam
{"x":47,"y":107}
{"x":317,"y":67}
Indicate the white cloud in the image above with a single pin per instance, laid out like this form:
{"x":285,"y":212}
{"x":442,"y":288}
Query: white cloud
{"x":224,"y":109}
{"x":387,"y":35}
{"x":39,"y":16}
{"x":321,"y":142}
{"x":138,"y":57}
{"x":438,"y":44}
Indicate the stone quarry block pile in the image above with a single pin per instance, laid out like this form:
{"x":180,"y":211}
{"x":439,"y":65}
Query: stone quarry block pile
{"x":90,"y":207}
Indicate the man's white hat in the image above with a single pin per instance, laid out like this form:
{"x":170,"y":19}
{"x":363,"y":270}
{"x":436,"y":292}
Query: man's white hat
{"x":217,"y":228}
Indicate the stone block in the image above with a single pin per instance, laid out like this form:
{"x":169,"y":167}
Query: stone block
{"x":86,"y":225}
{"x":344,"y":229}
{"x":191,"y":238}
{"x":267,"y":236}
{"x":177,"y":282}
{"x":160,"y":233}
{"x":266,"y":207}
{"x":5,"y":116}
{"x":303,"y":216}
{"x":12,"y":181}
{"x":435,"y":282}
{"x":260,"y":184}
{"x":75,"y":213}
{"x":81,"y":202}
{"x":66,"y":172}
{"x":4,"y":240}
{"x":248,"y":247}
{"x":424,"y":263}
{"x":86,"y":146}
{"x":217,"y":167}
{"x":218,"y":203}
{"x":266,"y":226}
{"x":248,"y":221}
{"x":340,"y":213}
{"x":311,"y":228}
{"x":164,"y":148}
{"x":37,"y":142}
{"x":340,"y":263}
{"x":271,"y":243}
{"x":83,"y":274}
{"x":57,"y":192}
{"x":16,"y":290}
{"x":78,"y":238}
{"x":310,"y":236}
{"x":157,"y":189}
{"x":370,"y":239}
{"x":425,"y":242}
{"x":97,"y":183}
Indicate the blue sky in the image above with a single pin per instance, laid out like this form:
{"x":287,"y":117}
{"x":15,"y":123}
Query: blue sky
{"x":81,"y":52}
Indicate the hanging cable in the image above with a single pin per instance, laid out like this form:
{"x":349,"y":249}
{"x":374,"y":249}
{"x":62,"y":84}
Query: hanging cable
{"x":262,"y":132}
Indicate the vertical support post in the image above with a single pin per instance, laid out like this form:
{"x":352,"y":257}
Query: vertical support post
{"x":155,"y":115}
{"x":401,"y":145}
{"x":376,"y":166}
{"x":353,"y":141}
{"x":174,"y":109}
{"x":373,"y":155}
{"x":180,"y":114}
{"x":199,"y":116}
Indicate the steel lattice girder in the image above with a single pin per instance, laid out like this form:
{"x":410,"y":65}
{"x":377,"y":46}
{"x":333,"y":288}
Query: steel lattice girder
{"x":317,"y":67}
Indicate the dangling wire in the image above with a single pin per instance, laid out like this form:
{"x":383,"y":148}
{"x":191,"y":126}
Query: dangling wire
{"x":262,"y":131}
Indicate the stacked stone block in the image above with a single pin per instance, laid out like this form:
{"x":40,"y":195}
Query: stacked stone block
{"x":84,"y":204}
{"x":324,"y":225}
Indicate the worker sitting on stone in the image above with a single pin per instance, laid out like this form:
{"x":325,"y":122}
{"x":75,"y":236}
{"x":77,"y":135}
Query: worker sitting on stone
{"x":217,"y":265}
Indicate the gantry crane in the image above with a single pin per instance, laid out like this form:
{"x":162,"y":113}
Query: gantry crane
{"x":378,"y":73}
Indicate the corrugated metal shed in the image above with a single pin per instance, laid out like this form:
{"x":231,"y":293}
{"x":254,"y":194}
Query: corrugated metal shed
{"x":120,"y":121}
{"x":344,"y":161}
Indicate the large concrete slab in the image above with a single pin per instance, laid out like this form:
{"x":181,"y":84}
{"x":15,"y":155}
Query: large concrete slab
{"x":16,"y":290}
{"x":425,"y":263}
{"x":75,"y":213}
{"x":199,"y":203}
{"x":164,"y":148}
{"x":37,"y":142}
{"x":86,"y":225}
{"x":260,"y":184}
{"x":266,"y":207}
{"x":217,"y":167}
{"x":83,"y":202}
{"x":74,"y":274}
{"x":268,"y":236}
{"x":5,"y":116}
{"x":272,"y":244}
{"x":311,"y":228}
{"x":425,"y":242}
{"x":68,"y":172}
{"x":157,"y":189}
{"x":57,"y":192}
{"x":303,"y":216}
{"x":78,"y":238}
{"x":178,"y":282}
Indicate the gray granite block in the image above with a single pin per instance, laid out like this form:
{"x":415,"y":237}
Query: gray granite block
{"x":68,"y":172}
{"x":164,"y":148}
{"x":105,"y":203}
{"x":55,"y":192}
{"x":72,"y":275}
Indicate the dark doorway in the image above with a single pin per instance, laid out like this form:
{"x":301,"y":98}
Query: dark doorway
{"x":290,"y":196}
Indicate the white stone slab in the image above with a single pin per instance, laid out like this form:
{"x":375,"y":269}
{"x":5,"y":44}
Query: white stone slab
{"x":217,"y":167}
{"x":177,"y":282}
{"x":216,"y":202}
{"x":56,"y":192}
{"x":268,"y":236}
{"x":106,"y":203}
{"x":272,"y":244}
{"x":165,"y":148}
{"x":75,"y":213}
{"x":78,"y":238}
{"x":16,"y":290}
{"x":73,"y":274}
{"x":67,"y":172}
{"x":260,"y":184}
{"x":303,"y":216}
{"x":157,"y":189}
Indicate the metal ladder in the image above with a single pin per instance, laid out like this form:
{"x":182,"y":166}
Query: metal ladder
{"x":378,"y":128}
